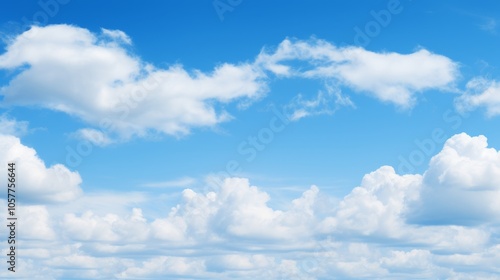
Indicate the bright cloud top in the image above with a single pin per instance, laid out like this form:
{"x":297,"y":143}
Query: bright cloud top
{"x":94,"y":77}
{"x":39,"y":183}
{"x":10,"y":126}
{"x":311,"y":238}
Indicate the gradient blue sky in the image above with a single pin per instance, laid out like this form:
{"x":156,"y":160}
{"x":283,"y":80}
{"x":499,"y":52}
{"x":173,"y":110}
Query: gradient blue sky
{"x":332,"y":148}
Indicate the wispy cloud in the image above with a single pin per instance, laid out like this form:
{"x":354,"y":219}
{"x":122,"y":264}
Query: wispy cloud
{"x":480,"y":93}
{"x":388,"y":76}
{"x":489,"y":25}
{"x":10,"y":126}
{"x":372,"y":230}
{"x":177,"y":183}
{"x":94,"y":136}
{"x":130,"y":98}
{"x":326,"y":102}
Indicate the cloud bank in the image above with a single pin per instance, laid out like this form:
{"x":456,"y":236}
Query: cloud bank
{"x":442,"y":223}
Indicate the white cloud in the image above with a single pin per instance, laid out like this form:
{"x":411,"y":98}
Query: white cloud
{"x":10,"y":126}
{"x":325,"y":102}
{"x":378,"y":206}
{"x":93,"y":77}
{"x":481,"y":92}
{"x":465,"y":172}
{"x":414,"y":260}
{"x":391,"y":225}
{"x":37,"y":183}
{"x":96,"y":78}
{"x":111,"y":227}
{"x":181,"y":182}
{"x":159,"y":266}
{"x":117,"y":35}
{"x":94,"y":136}
{"x":489,"y":25}
{"x":389,"y":77}
{"x":388,"y":226}
{"x":102,"y":203}
{"x":239,"y":262}
{"x":248,"y":238}
{"x":238,"y":210}
{"x":36,"y":222}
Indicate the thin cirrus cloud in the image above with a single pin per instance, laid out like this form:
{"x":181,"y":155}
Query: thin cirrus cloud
{"x":93,"y":76}
{"x":390,"y":224}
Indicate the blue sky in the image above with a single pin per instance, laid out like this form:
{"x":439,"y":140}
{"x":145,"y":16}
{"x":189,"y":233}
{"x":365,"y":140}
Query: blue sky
{"x":372,"y":123}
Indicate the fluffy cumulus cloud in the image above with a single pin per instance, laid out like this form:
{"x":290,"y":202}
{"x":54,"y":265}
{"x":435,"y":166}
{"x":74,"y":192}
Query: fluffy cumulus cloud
{"x":238,"y":210}
{"x":465,"y":173}
{"x":38,"y":182}
{"x":440,"y":224}
{"x":96,"y":78}
{"x":377,"y":206}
